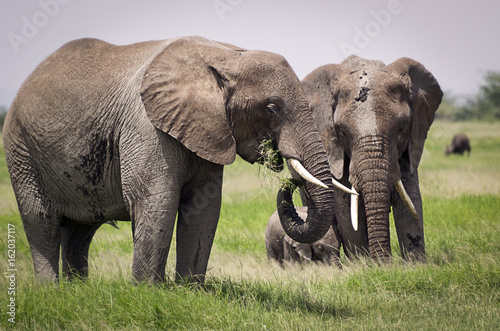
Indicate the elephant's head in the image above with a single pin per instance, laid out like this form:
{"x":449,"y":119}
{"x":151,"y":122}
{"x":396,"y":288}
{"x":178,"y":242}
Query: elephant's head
{"x":219,"y":100}
{"x":373,"y":120}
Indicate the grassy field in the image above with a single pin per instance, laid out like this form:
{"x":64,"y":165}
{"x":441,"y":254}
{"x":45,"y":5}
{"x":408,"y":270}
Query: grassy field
{"x":458,"y":288}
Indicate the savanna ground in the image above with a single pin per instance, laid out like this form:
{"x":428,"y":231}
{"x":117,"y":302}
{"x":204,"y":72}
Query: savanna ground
{"x":457,"y":288}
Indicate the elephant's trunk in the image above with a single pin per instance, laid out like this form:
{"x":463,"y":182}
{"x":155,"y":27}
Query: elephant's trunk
{"x":373,"y":180}
{"x":319,"y":200}
{"x":377,"y":197}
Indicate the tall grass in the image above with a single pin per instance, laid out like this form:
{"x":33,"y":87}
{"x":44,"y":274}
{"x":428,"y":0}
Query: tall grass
{"x":457,"y":288}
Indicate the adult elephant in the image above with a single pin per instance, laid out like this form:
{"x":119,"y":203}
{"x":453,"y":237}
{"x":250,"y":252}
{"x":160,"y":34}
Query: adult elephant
{"x":141,"y":132}
{"x":373,"y":120}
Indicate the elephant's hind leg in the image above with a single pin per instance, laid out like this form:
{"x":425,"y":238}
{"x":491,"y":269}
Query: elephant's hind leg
{"x":75,"y":243}
{"x":44,"y":237}
{"x":40,"y":219}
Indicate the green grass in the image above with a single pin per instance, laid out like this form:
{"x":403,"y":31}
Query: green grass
{"x":458,"y":288}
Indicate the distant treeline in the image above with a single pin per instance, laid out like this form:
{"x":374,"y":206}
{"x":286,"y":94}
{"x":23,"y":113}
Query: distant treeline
{"x":3,"y":113}
{"x":485,"y":105}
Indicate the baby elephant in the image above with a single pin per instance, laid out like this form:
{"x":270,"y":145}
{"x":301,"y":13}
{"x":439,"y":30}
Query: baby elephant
{"x":459,"y":145}
{"x":281,"y":247}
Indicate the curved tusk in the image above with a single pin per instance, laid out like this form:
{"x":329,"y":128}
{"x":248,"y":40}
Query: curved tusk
{"x":354,"y":209}
{"x":305,"y":174}
{"x":406,"y":198}
{"x":343,"y":188}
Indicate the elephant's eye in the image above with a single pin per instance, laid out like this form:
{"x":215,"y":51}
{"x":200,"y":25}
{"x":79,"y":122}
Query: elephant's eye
{"x":399,"y":91}
{"x":272,"y":109}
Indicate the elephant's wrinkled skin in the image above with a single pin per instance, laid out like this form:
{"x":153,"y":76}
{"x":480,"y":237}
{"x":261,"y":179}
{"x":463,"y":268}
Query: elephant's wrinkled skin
{"x":141,"y":132}
{"x":373,"y":119}
{"x":280,"y":247}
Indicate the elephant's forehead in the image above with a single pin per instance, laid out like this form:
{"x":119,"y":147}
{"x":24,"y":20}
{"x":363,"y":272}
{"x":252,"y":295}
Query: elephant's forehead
{"x":374,"y":78}
{"x":368,"y":98}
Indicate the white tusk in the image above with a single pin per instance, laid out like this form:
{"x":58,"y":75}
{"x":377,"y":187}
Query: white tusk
{"x":305,"y":174}
{"x":354,"y":209}
{"x":406,"y":198}
{"x":343,"y":188}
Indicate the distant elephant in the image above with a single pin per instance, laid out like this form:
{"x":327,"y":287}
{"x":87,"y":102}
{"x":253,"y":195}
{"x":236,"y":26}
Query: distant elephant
{"x":141,"y":132}
{"x":280,"y":247}
{"x":373,"y":120}
{"x":459,"y":145}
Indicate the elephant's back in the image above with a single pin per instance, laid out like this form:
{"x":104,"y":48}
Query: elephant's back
{"x":84,"y":72}
{"x":87,"y":86}
{"x":70,"y":112}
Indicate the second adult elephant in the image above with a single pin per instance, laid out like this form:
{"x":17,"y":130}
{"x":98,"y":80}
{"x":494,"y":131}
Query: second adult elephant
{"x":373,"y":120}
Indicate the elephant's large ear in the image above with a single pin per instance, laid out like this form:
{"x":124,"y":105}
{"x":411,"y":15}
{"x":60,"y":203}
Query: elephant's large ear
{"x":425,"y":95}
{"x":319,"y":87}
{"x":184,"y":91}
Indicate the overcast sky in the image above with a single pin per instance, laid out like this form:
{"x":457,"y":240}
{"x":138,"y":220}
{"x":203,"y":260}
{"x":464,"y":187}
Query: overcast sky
{"x":458,"y":41}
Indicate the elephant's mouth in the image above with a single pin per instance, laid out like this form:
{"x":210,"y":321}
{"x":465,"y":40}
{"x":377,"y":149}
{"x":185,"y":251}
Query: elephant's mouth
{"x":270,"y":156}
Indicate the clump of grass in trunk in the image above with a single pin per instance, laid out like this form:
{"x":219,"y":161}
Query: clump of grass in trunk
{"x":271,"y":173}
{"x":269,"y":157}
{"x":272,"y":162}
{"x":290,"y":184}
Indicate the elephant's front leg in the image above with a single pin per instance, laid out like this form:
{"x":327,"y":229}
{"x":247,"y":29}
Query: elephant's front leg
{"x":410,"y":230}
{"x":198,"y":216}
{"x":152,"y":226}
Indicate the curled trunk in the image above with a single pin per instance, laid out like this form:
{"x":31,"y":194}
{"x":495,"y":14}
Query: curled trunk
{"x":319,"y":200}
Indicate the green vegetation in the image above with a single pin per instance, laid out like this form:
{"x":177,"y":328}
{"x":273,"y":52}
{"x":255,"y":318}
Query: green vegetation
{"x":458,"y":288}
{"x":485,"y":105}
